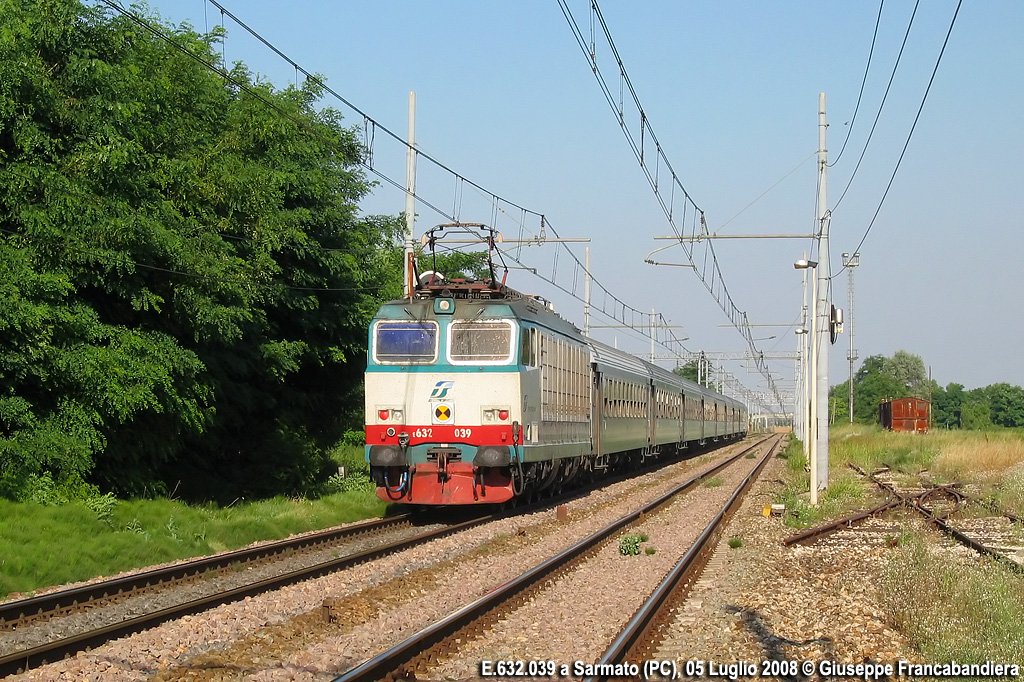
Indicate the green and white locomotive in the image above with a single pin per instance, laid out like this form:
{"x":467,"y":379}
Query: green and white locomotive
{"x":478,"y":394}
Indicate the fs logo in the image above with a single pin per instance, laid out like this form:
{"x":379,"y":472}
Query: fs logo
{"x":441,"y":389}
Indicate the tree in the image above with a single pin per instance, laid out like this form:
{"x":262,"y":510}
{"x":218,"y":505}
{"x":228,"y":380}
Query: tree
{"x":186,"y":278}
{"x":688,"y":370}
{"x":947,"y":406}
{"x":975,"y":412}
{"x":872,"y":385}
{"x":1006,"y":404}
{"x":908,"y":371}
{"x":456,"y":264}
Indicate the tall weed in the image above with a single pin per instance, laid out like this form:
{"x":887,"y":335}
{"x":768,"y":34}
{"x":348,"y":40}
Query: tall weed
{"x":963,"y":610}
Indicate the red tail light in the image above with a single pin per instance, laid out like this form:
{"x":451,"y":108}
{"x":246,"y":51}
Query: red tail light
{"x":502,"y":415}
{"x":383,"y":414}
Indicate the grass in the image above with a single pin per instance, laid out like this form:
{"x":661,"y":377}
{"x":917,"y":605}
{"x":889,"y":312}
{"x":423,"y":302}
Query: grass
{"x":992,"y":460}
{"x":43,"y":545}
{"x":714,"y":482}
{"x":844,"y":492}
{"x":969,"y":612}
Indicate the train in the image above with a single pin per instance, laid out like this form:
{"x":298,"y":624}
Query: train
{"x":478,"y":394}
{"x":905,"y":414}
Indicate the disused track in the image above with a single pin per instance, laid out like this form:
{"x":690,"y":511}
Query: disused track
{"x":417,"y":654}
{"x":938,"y":504}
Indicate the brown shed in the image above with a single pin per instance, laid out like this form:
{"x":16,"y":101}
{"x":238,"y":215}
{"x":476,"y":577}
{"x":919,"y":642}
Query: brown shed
{"x":905,"y":414}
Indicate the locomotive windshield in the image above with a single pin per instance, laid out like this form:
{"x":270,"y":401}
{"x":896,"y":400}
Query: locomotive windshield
{"x":487,"y":341}
{"x":405,"y":342}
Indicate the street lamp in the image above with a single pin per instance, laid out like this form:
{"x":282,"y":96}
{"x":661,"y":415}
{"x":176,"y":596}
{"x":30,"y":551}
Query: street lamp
{"x":812,"y":420}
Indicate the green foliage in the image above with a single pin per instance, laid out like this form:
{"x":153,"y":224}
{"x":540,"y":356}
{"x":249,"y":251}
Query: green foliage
{"x":735,"y":542}
{"x":908,"y":372}
{"x":713,"y":482}
{"x":843,"y":493}
{"x":688,"y":370}
{"x":947,"y":406}
{"x":629,"y":545}
{"x":871,"y":385}
{"x":903,"y":375}
{"x":456,"y":264}
{"x":1007,"y":404}
{"x":650,"y":550}
{"x":185,"y":278}
{"x":102,"y":506}
{"x":110,"y":536}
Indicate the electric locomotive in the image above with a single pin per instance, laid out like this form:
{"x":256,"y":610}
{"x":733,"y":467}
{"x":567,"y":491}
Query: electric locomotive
{"x":478,"y":394}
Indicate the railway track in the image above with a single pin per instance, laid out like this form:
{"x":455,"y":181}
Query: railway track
{"x":997,"y":535}
{"x":424,"y":651}
{"x":373,"y":539}
{"x":19,"y":620}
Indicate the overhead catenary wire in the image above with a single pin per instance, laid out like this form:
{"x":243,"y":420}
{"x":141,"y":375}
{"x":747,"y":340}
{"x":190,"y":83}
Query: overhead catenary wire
{"x":709,"y":273}
{"x":620,"y":310}
{"x":420,"y":154}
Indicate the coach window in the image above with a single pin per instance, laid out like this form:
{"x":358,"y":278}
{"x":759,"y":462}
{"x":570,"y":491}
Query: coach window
{"x":405,"y":342}
{"x":480,"y":342}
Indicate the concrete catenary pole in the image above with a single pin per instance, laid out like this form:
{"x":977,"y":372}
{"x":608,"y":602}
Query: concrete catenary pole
{"x":813,"y":420}
{"x":822,"y":312}
{"x":408,"y":271}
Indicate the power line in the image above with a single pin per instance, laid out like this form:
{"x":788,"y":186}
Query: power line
{"x":620,"y":309}
{"x":461,"y":180}
{"x":910,"y":135}
{"x":863,"y":80}
{"x":881,"y":105}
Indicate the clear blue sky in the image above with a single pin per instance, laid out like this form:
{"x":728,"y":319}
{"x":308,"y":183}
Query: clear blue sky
{"x":506,"y":98}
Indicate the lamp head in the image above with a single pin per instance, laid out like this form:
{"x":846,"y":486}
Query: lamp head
{"x":803,"y":264}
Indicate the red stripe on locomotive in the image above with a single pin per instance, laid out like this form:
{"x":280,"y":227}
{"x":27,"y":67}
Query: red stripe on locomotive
{"x":501,"y":434}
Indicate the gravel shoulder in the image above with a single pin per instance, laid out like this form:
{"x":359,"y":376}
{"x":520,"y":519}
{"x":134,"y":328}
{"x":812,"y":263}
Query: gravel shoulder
{"x":763,"y":601}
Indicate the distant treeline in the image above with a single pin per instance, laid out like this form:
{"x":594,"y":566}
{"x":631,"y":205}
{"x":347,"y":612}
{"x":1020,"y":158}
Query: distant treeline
{"x":903,"y":375}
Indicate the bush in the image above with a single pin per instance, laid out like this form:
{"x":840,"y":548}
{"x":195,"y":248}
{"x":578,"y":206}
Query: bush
{"x":102,"y":505}
{"x":629,"y":545}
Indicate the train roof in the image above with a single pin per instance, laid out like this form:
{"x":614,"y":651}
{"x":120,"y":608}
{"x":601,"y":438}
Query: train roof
{"x":474,"y":299}
{"x":604,"y":355}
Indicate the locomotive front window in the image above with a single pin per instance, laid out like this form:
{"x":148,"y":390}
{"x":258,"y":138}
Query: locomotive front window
{"x":405,"y":343}
{"x":475,"y":342}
